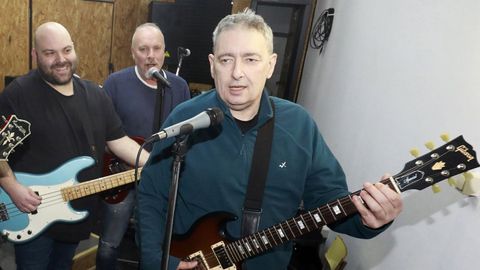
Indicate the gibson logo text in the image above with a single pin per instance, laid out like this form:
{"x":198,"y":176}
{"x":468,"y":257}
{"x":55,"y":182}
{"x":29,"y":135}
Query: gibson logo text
{"x":464,"y":150}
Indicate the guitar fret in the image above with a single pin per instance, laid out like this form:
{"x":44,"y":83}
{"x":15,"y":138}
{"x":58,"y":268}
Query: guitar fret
{"x":349,"y":206}
{"x":233,"y":252}
{"x":341,"y":206}
{"x":98,"y":185}
{"x":247,"y":246}
{"x":299,"y":225}
{"x":265,"y":240}
{"x":290,"y":229}
{"x":333,"y":211}
{"x":317,"y":217}
{"x":272,"y":236}
{"x":281,"y":233}
{"x":305,"y":223}
{"x":255,"y":242}
{"x":241,"y":250}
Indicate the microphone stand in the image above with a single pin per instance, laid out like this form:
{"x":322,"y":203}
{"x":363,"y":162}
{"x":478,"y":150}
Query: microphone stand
{"x":179,"y":150}
{"x":179,"y":63}
{"x":158,"y":116}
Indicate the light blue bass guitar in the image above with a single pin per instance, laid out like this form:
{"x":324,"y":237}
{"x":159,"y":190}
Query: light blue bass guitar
{"x":58,"y":188}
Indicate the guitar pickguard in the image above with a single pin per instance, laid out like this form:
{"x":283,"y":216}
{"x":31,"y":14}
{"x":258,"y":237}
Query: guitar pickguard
{"x":27,"y":225}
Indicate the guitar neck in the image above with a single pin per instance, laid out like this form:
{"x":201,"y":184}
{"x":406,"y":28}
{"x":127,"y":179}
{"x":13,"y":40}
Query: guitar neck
{"x":281,"y":233}
{"x":98,"y":185}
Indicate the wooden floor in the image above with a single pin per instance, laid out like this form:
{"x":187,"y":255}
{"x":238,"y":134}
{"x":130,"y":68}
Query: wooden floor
{"x":85,"y":255}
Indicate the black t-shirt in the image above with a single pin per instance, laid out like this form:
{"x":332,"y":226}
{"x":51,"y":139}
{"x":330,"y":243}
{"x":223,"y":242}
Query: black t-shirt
{"x":59,"y":128}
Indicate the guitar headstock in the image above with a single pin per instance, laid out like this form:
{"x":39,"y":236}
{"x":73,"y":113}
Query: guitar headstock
{"x":12,"y":133}
{"x":452,"y":158}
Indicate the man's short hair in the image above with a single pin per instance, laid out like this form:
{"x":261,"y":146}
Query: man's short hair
{"x":248,"y":19}
{"x":144,"y":25}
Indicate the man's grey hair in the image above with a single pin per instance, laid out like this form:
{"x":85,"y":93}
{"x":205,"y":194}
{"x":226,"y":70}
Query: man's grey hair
{"x":248,"y":19}
{"x":144,"y":25}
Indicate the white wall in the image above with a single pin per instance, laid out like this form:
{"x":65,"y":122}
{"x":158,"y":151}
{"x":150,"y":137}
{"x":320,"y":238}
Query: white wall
{"x":394,"y":75}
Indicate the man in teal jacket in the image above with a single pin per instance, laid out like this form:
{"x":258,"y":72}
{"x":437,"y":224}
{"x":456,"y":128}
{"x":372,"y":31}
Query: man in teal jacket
{"x":216,"y":169}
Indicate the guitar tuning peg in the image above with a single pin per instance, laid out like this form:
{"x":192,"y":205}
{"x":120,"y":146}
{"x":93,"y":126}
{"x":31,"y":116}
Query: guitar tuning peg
{"x":414,"y":152}
{"x":436,"y":188}
{"x":468,"y":176}
{"x":430,"y":145}
{"x":445,"y":137}
{"x":452,"y":182}
{"x":471,"y":187}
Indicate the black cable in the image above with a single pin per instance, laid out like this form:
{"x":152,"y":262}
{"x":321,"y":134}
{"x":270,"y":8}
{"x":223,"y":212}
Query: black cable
{"x":321,"y":30}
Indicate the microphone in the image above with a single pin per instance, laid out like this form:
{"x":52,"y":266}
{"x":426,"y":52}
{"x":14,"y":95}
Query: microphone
{"x":184,"y":51}
{"x":153,"y":72}
{"x":205,"y":119}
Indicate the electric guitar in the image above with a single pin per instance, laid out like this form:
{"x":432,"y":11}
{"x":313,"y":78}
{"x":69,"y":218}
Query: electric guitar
{"x":206,"y":242}
{"x":12,"y":133}
{"x":114,"y":165}
{"x":58,"y":188}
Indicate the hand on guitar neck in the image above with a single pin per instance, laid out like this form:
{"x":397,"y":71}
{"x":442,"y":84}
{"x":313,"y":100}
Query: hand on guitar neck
{"x":377,"y":204}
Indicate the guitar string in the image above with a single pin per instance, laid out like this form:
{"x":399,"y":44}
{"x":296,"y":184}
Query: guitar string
{"x":345,"y":202}
{"x":52,"y":198}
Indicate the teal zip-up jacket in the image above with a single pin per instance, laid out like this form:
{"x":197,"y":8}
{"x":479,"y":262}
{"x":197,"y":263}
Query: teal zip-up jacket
{"x":215,"y":174}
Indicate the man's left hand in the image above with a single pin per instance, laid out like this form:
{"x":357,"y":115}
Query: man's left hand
{"x":380,"y":205}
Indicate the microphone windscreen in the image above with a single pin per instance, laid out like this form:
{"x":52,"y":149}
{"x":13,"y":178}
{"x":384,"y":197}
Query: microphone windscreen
{"x":150,"y":72}
{"x":216,"y":116}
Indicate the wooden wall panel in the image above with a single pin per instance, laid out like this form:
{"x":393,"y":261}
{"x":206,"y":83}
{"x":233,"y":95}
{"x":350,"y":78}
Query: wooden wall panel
{"x":14,"y":49}
{"x":89,"y":24}
{"x":128,"y":15}
{"x":239,"y":5}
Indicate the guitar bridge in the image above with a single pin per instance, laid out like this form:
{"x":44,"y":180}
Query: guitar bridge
{"x":219,"y":260}
{"x":198,"y":256}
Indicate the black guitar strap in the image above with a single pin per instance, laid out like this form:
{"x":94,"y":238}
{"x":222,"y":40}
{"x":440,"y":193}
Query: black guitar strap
{"x":252,"y":207}
{"x":86,"y":119}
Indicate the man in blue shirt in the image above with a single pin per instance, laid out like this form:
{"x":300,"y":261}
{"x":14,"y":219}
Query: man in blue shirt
{"x":215,"y":173}
{"x":134,"y":96}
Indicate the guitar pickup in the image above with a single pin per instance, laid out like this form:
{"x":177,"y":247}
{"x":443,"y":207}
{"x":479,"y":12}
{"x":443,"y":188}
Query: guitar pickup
{"x":34,"y":212}
{"x":3,"y":212}
{"x":222,"y":256}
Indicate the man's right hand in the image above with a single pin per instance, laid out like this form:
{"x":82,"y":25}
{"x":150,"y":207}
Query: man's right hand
{"x":187,"y":265}
{"x":23,"y":197}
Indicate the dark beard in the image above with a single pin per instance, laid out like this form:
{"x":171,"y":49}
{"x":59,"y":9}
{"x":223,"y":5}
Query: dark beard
{"x":51,"y":78}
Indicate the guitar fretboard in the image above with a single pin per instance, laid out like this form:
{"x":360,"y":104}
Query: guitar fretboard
{"x":281,"y":233}
{"x":99,"y":185}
